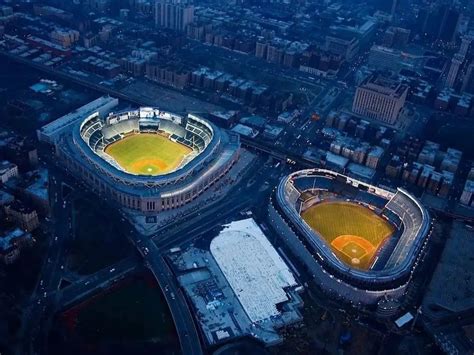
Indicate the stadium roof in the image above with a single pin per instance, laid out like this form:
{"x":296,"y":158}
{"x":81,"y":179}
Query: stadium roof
{"x":253,"y":268}
{"x":50,"y":131}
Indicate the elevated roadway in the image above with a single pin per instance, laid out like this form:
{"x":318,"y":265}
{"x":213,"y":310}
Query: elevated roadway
{"x":96,"y":282}
{"x":182,"y":317}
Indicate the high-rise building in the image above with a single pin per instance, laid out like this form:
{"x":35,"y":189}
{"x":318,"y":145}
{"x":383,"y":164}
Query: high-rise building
{"x":7,"y":171}
{"x":374,"y":156}
{"x":388,"y":6}
{"x":25,"y":217}
{"x":396,"y":37}
{"x":380,"y":98}
{"x":64,"y":37}
{"x":384,"y":58}
{"x":173,"y":14}
{"x":439,"y":22}
{"x":261,"y":49}
{"x":274,"y":53}
{"x":465,"y":45}
{"x":346,"y":45}
{"x":449,"y":24}
{"x":468,"y":80}
{"x":456,"y":63}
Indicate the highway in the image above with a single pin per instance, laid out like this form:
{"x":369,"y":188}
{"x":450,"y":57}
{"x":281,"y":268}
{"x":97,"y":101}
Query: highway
{"x":100,"y":280}
{"x":41,"y":306}
{"x":60,"y":299}
{"x":275,"y":152}
{"x":182,"y":317}
{"x":74,"y":79}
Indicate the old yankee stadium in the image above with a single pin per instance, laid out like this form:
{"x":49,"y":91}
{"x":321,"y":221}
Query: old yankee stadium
{"x":146,"y":159}
{"x":361,"y":243}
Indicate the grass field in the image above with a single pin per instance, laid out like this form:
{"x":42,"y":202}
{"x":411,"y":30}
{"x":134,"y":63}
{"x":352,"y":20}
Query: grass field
{"x":135,"y":311}
{"x":147,"y":154}
{"x":131,"y":317}
{"x":354,"y":232}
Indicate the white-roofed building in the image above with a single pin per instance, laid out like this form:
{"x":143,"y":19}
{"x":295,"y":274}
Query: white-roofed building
{"x":255,"y":271}
{"x":244,"y":130}
{"x":406,"y":318}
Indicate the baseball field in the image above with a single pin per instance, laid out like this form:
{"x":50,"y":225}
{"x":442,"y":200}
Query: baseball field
{"x":354,"y":232}
{"x":147,"y":154}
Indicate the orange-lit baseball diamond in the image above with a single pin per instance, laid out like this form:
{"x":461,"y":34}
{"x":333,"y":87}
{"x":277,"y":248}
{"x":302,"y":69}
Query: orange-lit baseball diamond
{"x":354,"y":232}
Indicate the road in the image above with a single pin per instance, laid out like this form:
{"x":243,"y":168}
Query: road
{"x":96,"y":282}
{"x":182,"y":317}
{"x":204,"y":221}
{"x":41,"y":306}
{"x":278,"y":153}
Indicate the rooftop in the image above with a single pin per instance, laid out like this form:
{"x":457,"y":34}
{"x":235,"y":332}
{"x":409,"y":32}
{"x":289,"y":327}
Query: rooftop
{"x":245,"y":130}
{"x":5,"y":198}
{"x":39,"y":187}
{"x":7,"y":240}
{"x":5,"y":165}
{"x":384,"y":85}
{"x":376,"y":151}
{"x":469,"y":186}
{"x":337,"y":160}
{"x":361,"y":171}
{"x":82,"y":112}
{"x":253,"y":268}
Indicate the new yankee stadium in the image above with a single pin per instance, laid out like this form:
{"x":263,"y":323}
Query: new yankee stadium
{"x":360,"y":242}
{"x":146,"y":159}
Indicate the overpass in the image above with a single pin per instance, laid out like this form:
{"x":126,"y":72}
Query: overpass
{"x":276,"y":152}
{"x":182,"y":317}
{"x":96,"y":282}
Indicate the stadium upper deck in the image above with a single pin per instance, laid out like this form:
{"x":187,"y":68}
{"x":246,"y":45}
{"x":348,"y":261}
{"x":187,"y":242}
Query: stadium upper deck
{"x":401,"y":208}
{"x":82,"y":149}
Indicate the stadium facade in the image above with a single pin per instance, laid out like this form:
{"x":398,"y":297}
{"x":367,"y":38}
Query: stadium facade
{"x":82,"y":150}
{"x":395,"y":263}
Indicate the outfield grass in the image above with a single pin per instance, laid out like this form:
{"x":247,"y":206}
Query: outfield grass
{"x":354,"y":232}
{"x":147,"y":154}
